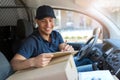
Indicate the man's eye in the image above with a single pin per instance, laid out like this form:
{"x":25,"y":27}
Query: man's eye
{"x":51,"y":20}
{"x":42,"y":20}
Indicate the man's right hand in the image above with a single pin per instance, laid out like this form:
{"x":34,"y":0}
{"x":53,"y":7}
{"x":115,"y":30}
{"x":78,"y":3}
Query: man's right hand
{"x":42,"y":59}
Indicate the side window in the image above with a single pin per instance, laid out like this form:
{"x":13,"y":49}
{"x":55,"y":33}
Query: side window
{"x":76,"y":27}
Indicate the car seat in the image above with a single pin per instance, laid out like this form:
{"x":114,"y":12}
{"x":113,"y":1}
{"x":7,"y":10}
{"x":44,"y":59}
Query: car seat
{"x":23,"y":29}
{"x":5,"y":67}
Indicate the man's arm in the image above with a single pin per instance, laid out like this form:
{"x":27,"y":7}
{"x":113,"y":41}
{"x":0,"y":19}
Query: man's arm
{"x":19,"y":62}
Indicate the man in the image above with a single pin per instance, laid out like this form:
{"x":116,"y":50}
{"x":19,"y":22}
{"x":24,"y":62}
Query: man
{"x":36,"y":49}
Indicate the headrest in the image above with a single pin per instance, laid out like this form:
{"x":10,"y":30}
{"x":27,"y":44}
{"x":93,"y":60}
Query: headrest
{"x":24,"y":28}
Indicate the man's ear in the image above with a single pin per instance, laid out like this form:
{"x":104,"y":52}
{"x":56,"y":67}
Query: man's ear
{"x":36,"y":21}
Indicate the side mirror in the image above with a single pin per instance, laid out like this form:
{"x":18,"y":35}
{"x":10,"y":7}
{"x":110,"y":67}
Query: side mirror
{"x":99,"y":32}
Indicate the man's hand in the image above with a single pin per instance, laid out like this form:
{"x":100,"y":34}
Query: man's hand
{"x":66,"y":47}
{"x":42,"y":60}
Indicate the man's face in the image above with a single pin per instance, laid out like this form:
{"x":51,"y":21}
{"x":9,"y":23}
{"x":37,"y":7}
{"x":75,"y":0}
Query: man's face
{"x":45,"y":25}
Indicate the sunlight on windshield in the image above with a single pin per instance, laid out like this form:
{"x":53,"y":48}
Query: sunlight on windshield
{"x":110,"y":8}
{"x":74,"y":27}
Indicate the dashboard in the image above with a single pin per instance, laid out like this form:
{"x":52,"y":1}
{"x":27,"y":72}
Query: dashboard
{"x":111,"y":49}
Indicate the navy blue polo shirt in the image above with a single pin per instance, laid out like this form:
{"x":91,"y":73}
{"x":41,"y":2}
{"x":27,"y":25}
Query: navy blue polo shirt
{"x":35,"y":44}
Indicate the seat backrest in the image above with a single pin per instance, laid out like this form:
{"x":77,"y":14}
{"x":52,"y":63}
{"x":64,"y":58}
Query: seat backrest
{"x":23,"y":29}
{"x":5,"y":67}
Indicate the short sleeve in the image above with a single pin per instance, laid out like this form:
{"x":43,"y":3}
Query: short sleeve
{"x":60,"y":38}
{"x":27,"y":48}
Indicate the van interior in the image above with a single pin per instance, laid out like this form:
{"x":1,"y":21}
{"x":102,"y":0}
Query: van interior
{"x":17,"y":23}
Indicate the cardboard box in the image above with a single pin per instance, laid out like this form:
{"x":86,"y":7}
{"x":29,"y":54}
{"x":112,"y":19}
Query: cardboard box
{"x":60,"y":68}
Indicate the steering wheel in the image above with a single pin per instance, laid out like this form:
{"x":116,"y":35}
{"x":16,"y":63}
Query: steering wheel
{"x":85,"y":50}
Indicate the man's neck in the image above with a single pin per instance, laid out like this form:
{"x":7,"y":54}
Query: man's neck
{"x":45,"y":36}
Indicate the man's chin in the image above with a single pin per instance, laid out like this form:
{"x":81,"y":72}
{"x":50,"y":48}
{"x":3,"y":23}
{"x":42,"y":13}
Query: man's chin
{"x":48,"y":33}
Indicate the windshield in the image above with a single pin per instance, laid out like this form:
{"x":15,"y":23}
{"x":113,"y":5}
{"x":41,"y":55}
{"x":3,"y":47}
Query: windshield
{"x":74,"y":26}
{"x":110,"y":8}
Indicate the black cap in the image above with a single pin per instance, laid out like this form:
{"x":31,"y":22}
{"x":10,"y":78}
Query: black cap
{"x":44,"y":11}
